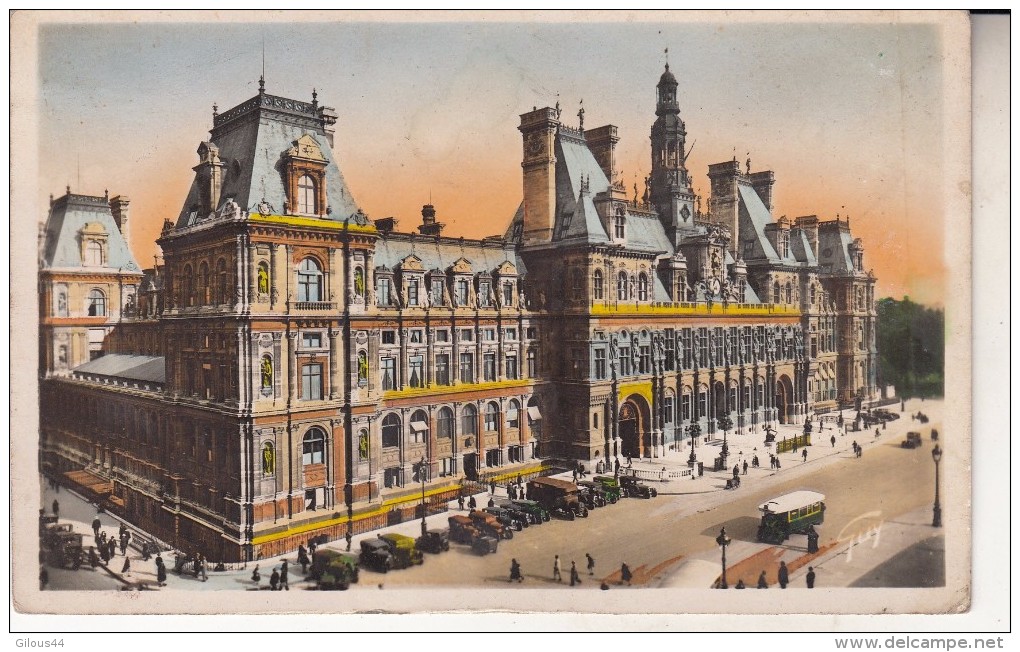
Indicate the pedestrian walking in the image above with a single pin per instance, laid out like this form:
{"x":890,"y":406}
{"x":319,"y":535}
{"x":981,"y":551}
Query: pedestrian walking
{"x":804,"y":455}
{"x":515,"y":571}
{"x":832,"y":440}
{"x":762,"y":582}
{"x":125,"y":539}
{"x":492,"y":503}
{"x":511,"y":492}
{"x":616,"y":466}
{"x":112,"y":546}
{"x":203,"y":568}
{"x":256,"y":576}
{"x":779,"y":464}
{"x":810,"y":577}
{"x":625,"y":574}
{"x":524,"y":492}
{"x":460,"y":502}
{"x":104,"y":554}
{"x":302,"y":558}
{"x":102,"y":539}
{"x":745,"y":467}
{"x":472,"y":504}
{"x":574,"y":473}
{"x":56,"y":508}
{"x":44,"y":578}
{"x":740,"y":584}
{"x":591,"y":563}
{"x":93,"y":558}
{"x":492,"y":487}
{"x":96,"y":525}
{"x":160,"y":571}
{"x":274,"y":581}
{"x":283,"y":576}
{"x":784,"y":575}
{"x":126,"y":568}
{"x":574,"y":577}
{"x":556,"y":569}
{"x":348,"y":537}
{"x":736,"y":470}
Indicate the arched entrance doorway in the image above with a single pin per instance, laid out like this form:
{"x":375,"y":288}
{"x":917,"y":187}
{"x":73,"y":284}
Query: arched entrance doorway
{"x":784,"y":399}
{"x":635,"y":433}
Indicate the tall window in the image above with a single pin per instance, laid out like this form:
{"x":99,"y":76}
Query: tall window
{"x":702,"y":401}
{"x":532,"y":363}
{"x":685,"y":405}
{"x":313,"y":448}
{"x":646,"y":359}
{"x":621,"y":286}
{"x":391,"y":431}
{"x":489,"y":367}
{"x":511,"y":367}
{"x":419,"y":426}
{"x":513,"y":414}
{"x":97,"y":303}
{"x":443,"y":369}
{"x":388,"y":367}
{"x":508,"y":293}
{"x":469,"y":420}
{"x":203,"y":283}
{"x":667,"y":410}
{"x":311,"y":382}
{"x":462,"y":292}
{"x":306,"y":195}
{"x":416,"y":365}
{"x":437,"y":291}
{"x":384,"y":292}
{"x":776,"y":293}
{"x":600,"y":364}
{"x":483,"y":294}
{"x":642,"y":287}
{"x":93,"y":254}
{"x":789,"y":293}
{"x":221,"y":282}
{"x":309,"y":281}
{"x":619,"y":226}
{"x":412,"y":292}
{"x":596,"y":286}
{"x":444,"y":423}
{"x":624,"y":360}
{"x":491,"y":416}
{"x":467,"y":368}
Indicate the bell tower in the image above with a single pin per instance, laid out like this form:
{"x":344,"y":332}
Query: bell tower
{"x":671,"y":191}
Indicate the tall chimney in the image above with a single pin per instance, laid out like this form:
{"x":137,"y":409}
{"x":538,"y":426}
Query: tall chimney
{"x":602,"y":143}
{"x":538,"y":129}
{"x":119,"y":208}
{"x":429,"y":225}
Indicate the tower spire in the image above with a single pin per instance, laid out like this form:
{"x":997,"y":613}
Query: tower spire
{"x":262,"y":77}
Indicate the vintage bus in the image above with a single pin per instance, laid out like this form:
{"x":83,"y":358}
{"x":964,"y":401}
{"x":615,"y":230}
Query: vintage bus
{"x":791,"y":513}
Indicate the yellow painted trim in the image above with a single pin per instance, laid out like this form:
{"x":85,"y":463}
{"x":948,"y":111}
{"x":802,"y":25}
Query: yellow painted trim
{"x":643,"y":388}
{"x":442,"y":390}
{"x":294,"y":220}
{"x":699,"y":309}
{"x":513,"y":474}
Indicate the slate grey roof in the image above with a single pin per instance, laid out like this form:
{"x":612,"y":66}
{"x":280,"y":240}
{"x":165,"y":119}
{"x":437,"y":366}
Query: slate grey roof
{"x":801,"y":248}
{"x":389,"y":251}
{"x":257,"y":142}
{"x":584,"y":225}
{"x":754,"y":217}
{"x":833,"y":252}
{"x":645,"y":233}
{"x":68,"y":216}
{"x":146,"y":368}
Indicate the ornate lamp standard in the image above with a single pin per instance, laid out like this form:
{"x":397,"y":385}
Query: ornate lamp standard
{"x":725,"y":422}
{"x":723,"y":541}
{"x":936,"y":521}
{"x":693,"y":431}
{"x":419,"y":469}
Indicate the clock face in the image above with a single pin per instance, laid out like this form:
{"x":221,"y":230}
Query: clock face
{"x":685,"y":213}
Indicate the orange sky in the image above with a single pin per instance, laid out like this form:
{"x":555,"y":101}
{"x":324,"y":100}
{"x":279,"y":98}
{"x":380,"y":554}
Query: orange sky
{"x":849,"y":117}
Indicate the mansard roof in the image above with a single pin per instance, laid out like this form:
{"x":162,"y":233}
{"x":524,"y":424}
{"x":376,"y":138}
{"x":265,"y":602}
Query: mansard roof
{"x":72,"y":215}
{"x":145,"y":368}
{"x":443,"y":253}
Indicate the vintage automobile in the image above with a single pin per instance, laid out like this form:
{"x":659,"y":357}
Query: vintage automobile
{"x":603,"y":496}
{"x":611,"y":487}
{"x":791,"y":513}
{"x":591,"y":497}
{"x":913,"y":440}
{"x":63,"y":545}
{"x":559,"y":497}
{"x":434,"y":541}
{"x":632,"y":487}
{"x":536,"y":513}
{"x":488,"y":524}
{"x":334,"y":570}
{"x":885,"y":415}
{"x":484,"y":544}
{"x":463,"y":530}
{"x":375,"y":553}
{"x":404,"y":552}
{"x":509,"y":518}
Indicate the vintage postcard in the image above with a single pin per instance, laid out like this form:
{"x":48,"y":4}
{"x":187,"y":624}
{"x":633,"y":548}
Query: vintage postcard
{"x":450,"y":312}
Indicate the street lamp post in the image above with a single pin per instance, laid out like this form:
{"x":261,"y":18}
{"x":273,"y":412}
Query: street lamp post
{"x":725,"y":422}
{"x":693,"y":431}
{"x":723,"y":541}
{"x":421,"y":476}
{"x":936,"y":521}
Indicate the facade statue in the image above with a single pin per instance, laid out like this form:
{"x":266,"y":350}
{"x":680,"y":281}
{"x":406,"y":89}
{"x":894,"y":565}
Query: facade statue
{"x":268,"y":459}
{"x":267,"y":372}
{"x":263,"y":274}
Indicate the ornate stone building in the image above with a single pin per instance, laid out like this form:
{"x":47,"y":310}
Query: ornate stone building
{"x":294,"y":369}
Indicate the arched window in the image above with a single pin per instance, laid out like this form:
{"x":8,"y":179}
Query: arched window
{"x":221,"y":282}
{"x":812,"y":295}
{"x":444,"y":423}
{"x":268,"y":459}
{"x":359,"y":282}
{"x":419,"y":426}
{"x":469,"y":420}
{"x":309,"y":281}
{"x":97,"y":303}
{"x":642,"y":286}
{"x":789,"y":293}
{"x":188,"y":288}
{"x":619,"y":225}
{"x":621,"y":286}
{"x":491,"y":416}
{"x":776,"y":293}
{"x":597,"y":284}
{"x":391,"y":431}
{"x":93,"y":254}
{"x":203,"y":284}
{"x":263,"y":278}
{"x":702,"y":401}
{"x":266,"y":372}
{"x":306,"y":196}
{"x":313,"y":447}
{"x":513,"y":414}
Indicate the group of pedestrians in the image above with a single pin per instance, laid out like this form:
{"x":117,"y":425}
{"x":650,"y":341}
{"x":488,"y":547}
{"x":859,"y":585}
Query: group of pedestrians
{"x":516,"y":575}
{"x":783,"y":577}
{"x":278,"y":580}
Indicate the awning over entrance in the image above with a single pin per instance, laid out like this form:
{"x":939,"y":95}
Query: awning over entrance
{"x":419,"y":426}
{"x":534,"y":413}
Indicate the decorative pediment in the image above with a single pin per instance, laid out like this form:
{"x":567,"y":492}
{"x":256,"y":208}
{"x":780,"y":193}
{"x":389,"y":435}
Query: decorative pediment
{"x":94,"y":229}
{"x":506,"y":268}
{"x":306,"y":147}
{"x":461,"y":266}
{"x":411,"y":264}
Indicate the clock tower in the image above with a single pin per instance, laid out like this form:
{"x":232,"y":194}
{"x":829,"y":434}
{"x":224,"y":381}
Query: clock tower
{"x":538,"y":129}
{"x":671,"y":191}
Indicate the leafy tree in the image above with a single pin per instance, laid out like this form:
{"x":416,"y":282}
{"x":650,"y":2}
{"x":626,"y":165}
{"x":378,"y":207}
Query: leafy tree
{"x":911,"y":347}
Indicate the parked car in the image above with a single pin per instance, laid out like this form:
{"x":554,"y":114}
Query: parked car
{"x":434,"y":541}
{"x":632,"y":487}
{"x":375,"y":553}
{"x":913,"y":440}
{"x":334,"y":570}
{"x":463,"y":530}
{"x":484,"y":544}
{"x":603,"y":496}
{"x":518,"y":514}
{"x":611,"y":487}
{"x":404,"y":552}
{"x":489,"y":524}
{"x":559,"y":497}
{"x":590,"y":497}
{"x":510,"y":519}
{"x":535,"y":512}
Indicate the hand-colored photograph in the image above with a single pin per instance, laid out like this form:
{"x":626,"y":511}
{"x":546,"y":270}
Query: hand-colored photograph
{"x":524,"y":312}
